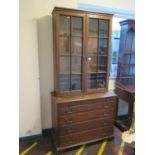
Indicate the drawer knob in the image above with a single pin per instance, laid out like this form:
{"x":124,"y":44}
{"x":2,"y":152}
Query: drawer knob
{"x":69,"y":130}
{"x":106,"y":106}
{"x":70,"y":142}
{"x":69,"y":112}
{"x":69,"y":121}
{"x":105,"y":123}
{"x":105,"y":114}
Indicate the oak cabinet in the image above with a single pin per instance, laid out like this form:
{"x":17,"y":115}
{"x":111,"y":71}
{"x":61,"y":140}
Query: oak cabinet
{"x":125,"y":82}
{"x":81,"y":67}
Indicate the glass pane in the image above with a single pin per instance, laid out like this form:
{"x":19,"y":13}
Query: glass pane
{"x":76,"y":47}
{"x":76,"y":26}
{"x":102,"y":64}
{"x":65,"y":45}
{"x":103,"y":28}
{"x":129,"y":40}
{"x":128,"y":81}
{"x":127,"y":59}
{"x":76,"y":65}
{"x":76,"y":73}
{"x":132,"y":61}
{"x":65,"y":65}
{"x":133,"y":43}
{"x":92,"y":81}
{"x":101,"y":80}
{"x":103,"y":46}
{"x":64,"y":82}
{"x":93,"y":27}
{"x":92,"y":46}
{"x":65,"y":25}
{"x":76,"y":82}
{"x":92,"y":64}
{"x":126,"y":70}
{"x":132,"y":70}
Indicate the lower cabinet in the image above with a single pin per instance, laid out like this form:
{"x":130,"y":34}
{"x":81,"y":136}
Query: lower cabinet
{"x":82,"y":119}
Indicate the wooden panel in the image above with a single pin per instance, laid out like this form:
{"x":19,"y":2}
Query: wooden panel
{"x":86,"y":106}
{"x":85,"y":126}
{"x":68,"y":99}
{"x":85,"y":136}
{"x":84,"y":116}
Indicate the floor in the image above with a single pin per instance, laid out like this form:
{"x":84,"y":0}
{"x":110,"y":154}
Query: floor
{"x":45,"y":146}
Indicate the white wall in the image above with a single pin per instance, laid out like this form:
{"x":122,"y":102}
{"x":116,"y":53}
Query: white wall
{"x":45,"y":48}
{"x":29,"y":101}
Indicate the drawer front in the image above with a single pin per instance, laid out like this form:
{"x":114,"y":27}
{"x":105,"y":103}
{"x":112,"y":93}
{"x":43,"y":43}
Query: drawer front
{"x":86,"y":126}
{"x":85,"y":116}
{"x":82,"y":106}
{"x":85,"y":136}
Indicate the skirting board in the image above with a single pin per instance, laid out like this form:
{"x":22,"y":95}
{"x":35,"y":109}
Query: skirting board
{"x":45,"y":132}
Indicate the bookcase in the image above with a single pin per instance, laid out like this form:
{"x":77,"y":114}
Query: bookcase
{"x":83,"y":109}
{"x":125,"y":82}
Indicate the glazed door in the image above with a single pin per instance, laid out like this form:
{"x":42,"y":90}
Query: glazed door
{"x":70,"y":40}
{"x":98,"y":36}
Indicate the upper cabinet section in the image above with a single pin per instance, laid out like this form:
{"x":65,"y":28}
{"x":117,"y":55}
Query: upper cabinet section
{"x":126,"y":61}
{"x":81,"y":51}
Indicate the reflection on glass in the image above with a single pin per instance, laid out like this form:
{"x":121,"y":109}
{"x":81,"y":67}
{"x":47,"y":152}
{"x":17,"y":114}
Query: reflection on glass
{"x":132,"y":70}
{"x":76,"y":82}
{"x":76,"y":26}
{"x":103,"y":28}
{"x":132,"y":61}
{"x":76,"y":47}
{"x":76,"y":65}
{"x":92,"y":64}
{"x":103,"y":46}
{"x":127,"y":59}
{"x":92,"y":45}
{"x":126,"y":70}
{"x":64,"y":82}
{"x":92,"y":81}
{"x":65,"y":25}
{"x":64,"y":45}
{"x":129,"y":40}
{"x":133,"y":43}
{"x":93,"y":27}
{"x":101,"y":80}
{"x":102,"y":60}
{"x":65,"y":64}
{"x":128,"y":81}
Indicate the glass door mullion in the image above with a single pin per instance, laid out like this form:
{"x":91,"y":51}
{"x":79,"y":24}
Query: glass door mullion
{"x":70,"y":53}
{"x":97,"y":57}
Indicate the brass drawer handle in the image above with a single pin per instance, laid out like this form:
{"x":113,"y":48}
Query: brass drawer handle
{"x":105,"y":106}
{"x":69,"y":130}
{"x":69,"y":112}
{"x":69,"y":121}
{"x":105,"y":123}
{"x":105,"y":114}
{"x":70,"y":142}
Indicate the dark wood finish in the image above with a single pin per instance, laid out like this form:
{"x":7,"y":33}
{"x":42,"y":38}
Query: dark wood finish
{"x":83,"y":110}
{"x":90,"y":117}
{"x":85,"y":136}
{"x":125,"y":82}
{"x":85,"y":16}
{"x":86,"y":125}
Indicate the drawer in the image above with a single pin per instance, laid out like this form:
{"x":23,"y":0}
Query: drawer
{"x":85,"y":116}
{"x":85,"y":136}
{"x":85,"y":126}
{"x":85,"y":106}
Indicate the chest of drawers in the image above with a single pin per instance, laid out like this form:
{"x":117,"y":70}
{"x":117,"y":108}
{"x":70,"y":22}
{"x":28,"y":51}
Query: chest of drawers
{"x":82,"y":119}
